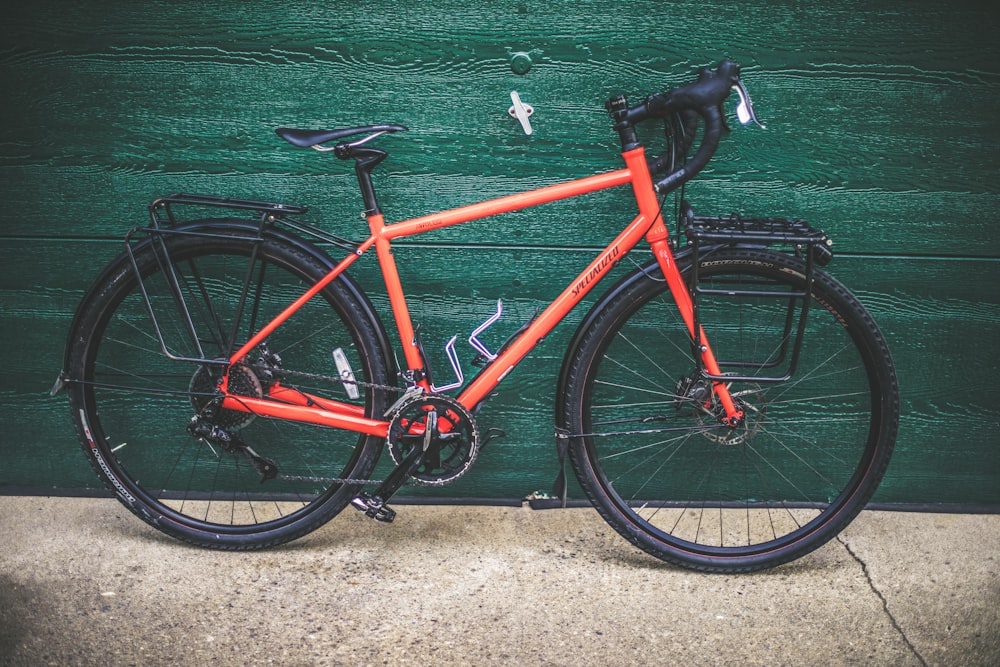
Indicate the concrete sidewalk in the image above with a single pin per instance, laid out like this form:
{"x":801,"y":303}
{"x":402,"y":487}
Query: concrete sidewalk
{"x":83,"y":582}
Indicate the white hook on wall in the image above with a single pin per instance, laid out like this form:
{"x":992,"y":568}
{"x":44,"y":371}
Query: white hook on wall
{"x":521,"y":111}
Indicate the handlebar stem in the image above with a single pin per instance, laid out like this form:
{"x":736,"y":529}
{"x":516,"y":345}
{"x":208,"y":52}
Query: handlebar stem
{"x":618,"y":108}
{"x":703,"y":96}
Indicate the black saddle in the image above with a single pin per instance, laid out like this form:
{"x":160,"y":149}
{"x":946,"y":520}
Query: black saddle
{"x":309,"y":138}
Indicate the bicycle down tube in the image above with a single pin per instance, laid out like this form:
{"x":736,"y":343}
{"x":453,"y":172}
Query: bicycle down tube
{"x":648,"y":223}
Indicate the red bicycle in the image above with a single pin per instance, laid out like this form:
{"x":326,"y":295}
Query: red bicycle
{"x":726,"y":406}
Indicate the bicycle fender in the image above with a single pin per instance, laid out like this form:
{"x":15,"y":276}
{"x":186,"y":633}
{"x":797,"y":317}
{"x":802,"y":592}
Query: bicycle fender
{"x":122,"y":261}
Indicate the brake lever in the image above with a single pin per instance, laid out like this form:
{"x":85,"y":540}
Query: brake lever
{"x":744,"y":110}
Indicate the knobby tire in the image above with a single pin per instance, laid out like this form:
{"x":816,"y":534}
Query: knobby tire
{"x":649,"y":451}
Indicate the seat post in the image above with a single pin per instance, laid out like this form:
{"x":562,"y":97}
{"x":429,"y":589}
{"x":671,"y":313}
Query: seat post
{"x":365,"y":159}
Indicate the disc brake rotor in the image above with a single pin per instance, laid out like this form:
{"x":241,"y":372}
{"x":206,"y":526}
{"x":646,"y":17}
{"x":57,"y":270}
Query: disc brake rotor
{"x":697,"y":397}
{"x":750,"y":399}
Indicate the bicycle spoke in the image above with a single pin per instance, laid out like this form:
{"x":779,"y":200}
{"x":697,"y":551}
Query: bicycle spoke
{"x":224,"y":477}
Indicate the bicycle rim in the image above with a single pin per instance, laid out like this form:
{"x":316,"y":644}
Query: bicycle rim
{"x":668,"y":475}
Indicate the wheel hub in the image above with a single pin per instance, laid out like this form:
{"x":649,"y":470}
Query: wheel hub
{"x":697,"y":395}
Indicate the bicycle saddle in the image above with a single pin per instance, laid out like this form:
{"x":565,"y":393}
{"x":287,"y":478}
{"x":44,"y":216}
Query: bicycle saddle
{"x":309,"y":138}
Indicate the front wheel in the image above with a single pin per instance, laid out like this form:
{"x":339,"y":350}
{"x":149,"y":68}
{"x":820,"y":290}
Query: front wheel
{"x":647,"y":443}
{"x":144,"y":363}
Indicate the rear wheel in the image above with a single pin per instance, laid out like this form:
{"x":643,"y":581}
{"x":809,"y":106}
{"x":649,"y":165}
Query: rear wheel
{"x":150,"y":422}
{"x":647,"y":444}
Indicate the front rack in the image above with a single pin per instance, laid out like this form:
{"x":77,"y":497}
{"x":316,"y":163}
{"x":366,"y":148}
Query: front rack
{"x":734,"y":229}
{"x":708,"y":233}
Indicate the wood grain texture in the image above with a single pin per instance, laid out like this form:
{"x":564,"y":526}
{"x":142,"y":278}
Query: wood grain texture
{"x":876,"y":114}
{"x":881,"y":130}
{"x":945,"y":451}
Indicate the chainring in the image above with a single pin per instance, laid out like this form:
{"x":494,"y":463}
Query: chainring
{"x":452,"y":446}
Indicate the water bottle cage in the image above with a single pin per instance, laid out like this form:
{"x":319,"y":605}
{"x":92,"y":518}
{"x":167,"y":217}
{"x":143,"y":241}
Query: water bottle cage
{"x":483,"y":356}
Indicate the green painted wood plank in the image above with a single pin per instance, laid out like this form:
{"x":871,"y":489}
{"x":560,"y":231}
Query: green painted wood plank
{"x":934,"y":314}
{"x":878,"y":221}
{"x":120,"y":105}
{"x":880,"y":130}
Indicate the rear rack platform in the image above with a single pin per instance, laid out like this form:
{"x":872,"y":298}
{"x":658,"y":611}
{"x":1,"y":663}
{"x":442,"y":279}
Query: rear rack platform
{"x":164,"y":205}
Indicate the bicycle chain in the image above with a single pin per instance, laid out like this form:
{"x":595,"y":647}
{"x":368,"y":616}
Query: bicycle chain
{"x":324,"y":480}
{"x":331,"y":378}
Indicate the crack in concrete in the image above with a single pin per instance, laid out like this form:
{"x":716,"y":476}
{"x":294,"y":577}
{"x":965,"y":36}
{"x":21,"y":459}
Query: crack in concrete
{"x":885,"y":603}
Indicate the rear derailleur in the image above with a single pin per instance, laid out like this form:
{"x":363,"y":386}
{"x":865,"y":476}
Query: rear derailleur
{"x":215,"y":436}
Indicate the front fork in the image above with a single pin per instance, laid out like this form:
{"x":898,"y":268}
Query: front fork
{"x":649,"y":205}
{"x":678,"y":288}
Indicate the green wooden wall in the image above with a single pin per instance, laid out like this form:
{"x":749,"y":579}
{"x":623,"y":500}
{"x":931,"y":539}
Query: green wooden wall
{"x":881,"y":129}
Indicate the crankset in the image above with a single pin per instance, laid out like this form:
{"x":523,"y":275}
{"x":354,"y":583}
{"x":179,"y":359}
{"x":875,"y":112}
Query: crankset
{"x":432,"y":439}
{"x":450,"y":445}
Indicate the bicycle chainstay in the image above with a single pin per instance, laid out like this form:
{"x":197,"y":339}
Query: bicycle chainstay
{"x":398,"y":390}
{"x":332,"y":378}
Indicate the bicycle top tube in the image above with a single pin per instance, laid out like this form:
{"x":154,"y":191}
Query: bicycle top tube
{"x":507,"y":204}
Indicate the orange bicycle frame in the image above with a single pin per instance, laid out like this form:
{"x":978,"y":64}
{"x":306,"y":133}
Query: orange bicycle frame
{"x":283,"y":403}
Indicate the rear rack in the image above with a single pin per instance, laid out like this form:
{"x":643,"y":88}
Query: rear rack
{"x":706,"y":233}
{"x":268,"y":208}
{"x":162,"y":215}
{"x":167,"y":217}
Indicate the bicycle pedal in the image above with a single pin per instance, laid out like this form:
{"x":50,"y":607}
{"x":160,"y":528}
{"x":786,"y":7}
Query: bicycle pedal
{"x":373,"y":507}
